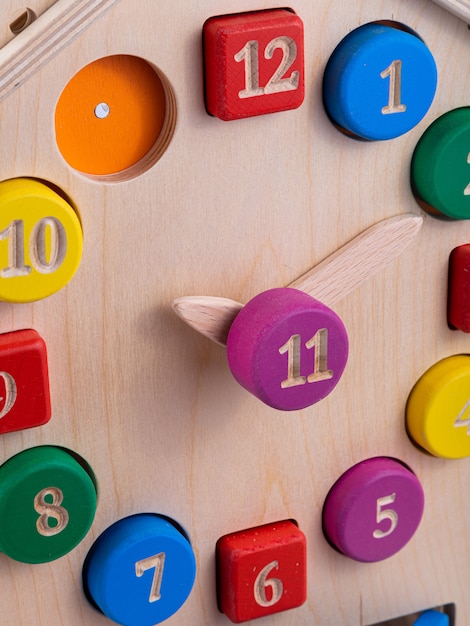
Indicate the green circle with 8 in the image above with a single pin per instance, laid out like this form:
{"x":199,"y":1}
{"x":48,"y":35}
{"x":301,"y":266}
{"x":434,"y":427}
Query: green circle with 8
{"x":47,"y":503}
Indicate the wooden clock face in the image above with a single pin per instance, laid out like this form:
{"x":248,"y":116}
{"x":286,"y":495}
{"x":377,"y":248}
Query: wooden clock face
{"x":232,"y":209}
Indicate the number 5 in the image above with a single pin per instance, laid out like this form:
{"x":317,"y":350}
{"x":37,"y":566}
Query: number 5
{"x":385,"y":514}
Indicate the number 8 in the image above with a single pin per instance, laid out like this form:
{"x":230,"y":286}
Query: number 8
{"x":50,"y":510}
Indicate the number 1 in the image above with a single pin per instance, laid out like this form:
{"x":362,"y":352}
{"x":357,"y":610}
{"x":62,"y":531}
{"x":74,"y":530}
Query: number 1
{"x":394,"y":93}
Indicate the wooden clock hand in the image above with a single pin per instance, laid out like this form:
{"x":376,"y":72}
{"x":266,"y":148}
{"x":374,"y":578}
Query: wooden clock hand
{"x":329,"y":281}
{"x":460,"y":8}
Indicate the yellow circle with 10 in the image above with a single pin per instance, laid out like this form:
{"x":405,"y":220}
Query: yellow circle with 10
{"x":41,"y":240}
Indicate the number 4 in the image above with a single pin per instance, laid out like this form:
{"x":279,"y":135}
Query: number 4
{"x":463,"y":418}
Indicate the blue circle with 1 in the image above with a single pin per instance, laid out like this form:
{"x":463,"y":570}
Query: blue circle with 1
{"x":141,"y":570}
{"x":379,"y":82}
{"x":432,"y":618}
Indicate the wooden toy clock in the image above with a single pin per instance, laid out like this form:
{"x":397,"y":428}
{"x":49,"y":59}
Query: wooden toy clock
{"x":234,"y":350}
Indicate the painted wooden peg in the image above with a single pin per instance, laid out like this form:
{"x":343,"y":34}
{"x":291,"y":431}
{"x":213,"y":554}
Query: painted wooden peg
{"x":438,"y":408}
{"x":286,"y":347}
{"x":440,"y":166}
{"x":379,"y":81}
{"x":41,"y":240}
{"x":458,"y":293}
{"x":254,"y":63}
{"x":47,"y":503}
{"x":24,"y":381}
{"x":432,"y":618}
{"x":261,"y":571}
{"x":140,"y":570}
{"x":373,"y":509}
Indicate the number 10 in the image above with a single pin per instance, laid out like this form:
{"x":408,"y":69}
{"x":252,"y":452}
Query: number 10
{"x":15,"y":236}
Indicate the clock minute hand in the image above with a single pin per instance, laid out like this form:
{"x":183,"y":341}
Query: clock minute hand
{"x":329,"y":281}
{"x":365,"y":255}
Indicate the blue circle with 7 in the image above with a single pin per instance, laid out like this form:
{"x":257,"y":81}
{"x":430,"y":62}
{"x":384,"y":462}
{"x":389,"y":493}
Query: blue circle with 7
{"x":140,"y":571}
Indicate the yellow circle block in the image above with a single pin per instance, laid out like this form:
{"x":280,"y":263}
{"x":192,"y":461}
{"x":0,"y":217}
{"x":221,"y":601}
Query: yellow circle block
{"x":40,"y":240}
{"x":438,"y":409}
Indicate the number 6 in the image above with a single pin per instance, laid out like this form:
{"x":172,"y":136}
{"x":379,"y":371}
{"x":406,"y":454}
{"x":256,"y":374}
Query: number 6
{"x":262,"y":582}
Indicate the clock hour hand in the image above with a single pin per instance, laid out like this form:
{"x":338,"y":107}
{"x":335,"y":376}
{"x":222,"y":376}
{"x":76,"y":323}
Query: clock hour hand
{"x":329,"y":281}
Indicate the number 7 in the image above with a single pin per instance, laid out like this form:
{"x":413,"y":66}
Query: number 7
{"x":156,"y":562}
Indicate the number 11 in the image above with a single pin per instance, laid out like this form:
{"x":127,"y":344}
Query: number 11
{"x":319,"y":342}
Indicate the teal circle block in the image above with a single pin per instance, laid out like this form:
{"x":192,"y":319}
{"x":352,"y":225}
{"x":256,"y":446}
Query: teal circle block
{"x":440,"y":166}
{"x":141,"y":570}
{"x":47,"y":503}
{"x":379,"y":82}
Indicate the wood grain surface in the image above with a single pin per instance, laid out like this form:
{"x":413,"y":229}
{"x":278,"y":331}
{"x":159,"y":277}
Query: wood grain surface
{"x":232,"y":209}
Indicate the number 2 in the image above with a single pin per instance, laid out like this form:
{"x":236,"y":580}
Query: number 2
{"x":276,"y":84}
{"x":466,"y":191}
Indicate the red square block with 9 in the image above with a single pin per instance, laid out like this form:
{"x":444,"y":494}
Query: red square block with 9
{"x":254,"y":63}
{"x":24,"y":381}
{"x":261,"y":571}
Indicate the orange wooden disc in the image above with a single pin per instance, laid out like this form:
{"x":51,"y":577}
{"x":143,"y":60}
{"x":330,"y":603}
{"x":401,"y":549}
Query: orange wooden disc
{"x":110,"y":115}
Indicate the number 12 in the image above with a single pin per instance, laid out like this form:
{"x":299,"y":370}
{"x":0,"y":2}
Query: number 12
{"x":276,"y":84}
